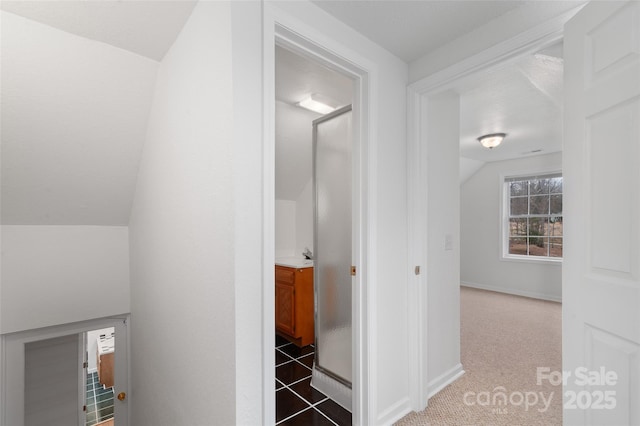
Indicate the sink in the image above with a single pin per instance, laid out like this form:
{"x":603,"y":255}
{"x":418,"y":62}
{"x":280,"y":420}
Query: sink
{"x":294,"y":262}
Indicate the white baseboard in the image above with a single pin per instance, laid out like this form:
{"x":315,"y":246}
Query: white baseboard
{"x":532,"y":294}
{"x":395,"y":412}
{"x":445,"y":379}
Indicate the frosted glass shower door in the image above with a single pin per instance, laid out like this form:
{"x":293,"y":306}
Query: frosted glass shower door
{"x":332,"y":183}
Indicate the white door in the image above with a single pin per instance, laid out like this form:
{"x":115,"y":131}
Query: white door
{"x":601,"y":271}
{"x":51,"y":381}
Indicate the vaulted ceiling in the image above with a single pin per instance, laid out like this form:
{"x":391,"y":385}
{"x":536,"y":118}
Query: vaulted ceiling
{"x":77,"y":83}
{"x":523,"y":100}
{"x":147,"y":28}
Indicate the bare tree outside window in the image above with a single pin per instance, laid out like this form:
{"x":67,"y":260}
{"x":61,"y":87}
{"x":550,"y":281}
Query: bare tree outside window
{"x":535,"y":215}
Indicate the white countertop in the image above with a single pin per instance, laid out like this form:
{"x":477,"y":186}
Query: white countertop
{"x":294,"y":262}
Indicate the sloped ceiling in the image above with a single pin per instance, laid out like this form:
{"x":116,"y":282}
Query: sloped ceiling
{"x":77,"y":83}
{"x":74,"y":116}
{"x":147,"y":28}
{"x":523,"y":100}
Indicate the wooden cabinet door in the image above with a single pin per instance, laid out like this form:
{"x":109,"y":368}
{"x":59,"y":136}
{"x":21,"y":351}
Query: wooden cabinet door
{"x":285,"y":308}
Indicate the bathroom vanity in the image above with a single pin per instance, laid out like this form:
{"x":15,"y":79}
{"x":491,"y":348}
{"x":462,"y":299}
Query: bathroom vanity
{"x":294,"y":300}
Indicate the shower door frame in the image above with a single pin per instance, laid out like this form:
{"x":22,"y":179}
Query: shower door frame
{"x":327,"y":117}
{"x":282,"y":30}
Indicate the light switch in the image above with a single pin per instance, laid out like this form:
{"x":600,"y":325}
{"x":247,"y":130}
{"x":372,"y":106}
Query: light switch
{"x":448,"y":242}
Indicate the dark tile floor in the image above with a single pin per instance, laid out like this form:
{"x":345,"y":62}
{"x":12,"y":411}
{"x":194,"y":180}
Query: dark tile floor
{"x":297,"y":403}
{"x":99,"y":400}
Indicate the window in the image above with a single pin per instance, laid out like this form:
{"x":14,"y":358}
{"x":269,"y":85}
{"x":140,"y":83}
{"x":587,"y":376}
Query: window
{"x":533,"y":219}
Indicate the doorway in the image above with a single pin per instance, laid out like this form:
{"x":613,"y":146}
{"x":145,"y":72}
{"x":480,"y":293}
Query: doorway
{"x":428,"y":98}
{"x":61,"y":352}
{"x":301,"y":258}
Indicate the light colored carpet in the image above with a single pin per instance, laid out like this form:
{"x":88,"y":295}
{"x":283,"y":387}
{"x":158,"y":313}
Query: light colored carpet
{"x":504,"y":339}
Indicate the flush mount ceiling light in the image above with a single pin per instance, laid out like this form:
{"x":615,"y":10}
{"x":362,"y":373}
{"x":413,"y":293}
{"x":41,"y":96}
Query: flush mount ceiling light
{"x":313,"y":104}
{"x":492,"y":140}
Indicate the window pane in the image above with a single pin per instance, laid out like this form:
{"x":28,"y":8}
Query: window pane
{"x":539,"y":204}
{"x":519,"y":206}
{"x":518,"y":246}
{"x":535,"y":226}
{"x":518,"y":188}
{"x":518,"y":227}
{"x":555,"y":227}
{"x":538,"y":226}
{"x":555,"y":247}
{"x":538,"y":246}
{"x":555,"y":185}
{"x":556,"y":204}
{"x":539,"y":186}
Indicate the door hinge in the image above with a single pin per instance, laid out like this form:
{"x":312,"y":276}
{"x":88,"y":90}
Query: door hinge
{"x":353,"y":271}
{"x":84,"y":408}
{"x":85,"y":364}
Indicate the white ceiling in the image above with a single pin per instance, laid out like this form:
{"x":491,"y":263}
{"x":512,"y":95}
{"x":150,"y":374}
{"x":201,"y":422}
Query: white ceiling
{"x":147,"y":28}
{"x":415,"y":28}
{"x":411,"y":29}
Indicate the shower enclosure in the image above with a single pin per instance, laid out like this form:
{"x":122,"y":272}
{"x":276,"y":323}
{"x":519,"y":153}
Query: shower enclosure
{"x":332,"y":182}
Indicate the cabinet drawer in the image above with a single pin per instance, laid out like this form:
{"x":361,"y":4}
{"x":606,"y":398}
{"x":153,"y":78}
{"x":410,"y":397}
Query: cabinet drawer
{"x":285,"y":275}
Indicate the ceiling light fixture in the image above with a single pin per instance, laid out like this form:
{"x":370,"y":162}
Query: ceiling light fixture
{"x":492,"y":140}
{"x":313,"y":104}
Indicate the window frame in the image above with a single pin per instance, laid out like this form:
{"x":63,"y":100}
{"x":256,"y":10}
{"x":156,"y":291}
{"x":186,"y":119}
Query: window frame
{"x":504,"y":254}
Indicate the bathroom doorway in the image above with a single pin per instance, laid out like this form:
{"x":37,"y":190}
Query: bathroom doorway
{"x":313,"y":176}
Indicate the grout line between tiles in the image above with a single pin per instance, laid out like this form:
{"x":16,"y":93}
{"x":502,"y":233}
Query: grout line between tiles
{"x":310,"y":406}
{"x":295,"y":414}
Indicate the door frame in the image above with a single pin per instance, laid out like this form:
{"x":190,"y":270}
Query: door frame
{"x":282,"y":29}
{"x":12,"y":347}
{"x":418,"y":93}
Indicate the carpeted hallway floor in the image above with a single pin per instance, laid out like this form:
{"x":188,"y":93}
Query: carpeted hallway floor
{"x":504,"y":339}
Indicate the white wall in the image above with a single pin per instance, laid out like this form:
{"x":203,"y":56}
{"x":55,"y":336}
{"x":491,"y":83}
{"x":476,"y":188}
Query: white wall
{"x":285,"y":228}
{"x":304,"y":219}
{"x":74,"y":115}
{"x":481,"y":264}
{"x":294,"y":149}
{"x":61,"y":274}
{"x":468,"y":167}
{"x":294,"y":224}
{"x":443,"y":245}
{"x":182,"y":235}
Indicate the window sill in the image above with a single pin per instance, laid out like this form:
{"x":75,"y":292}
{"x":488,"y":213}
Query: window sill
{"x":532,"y":259}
